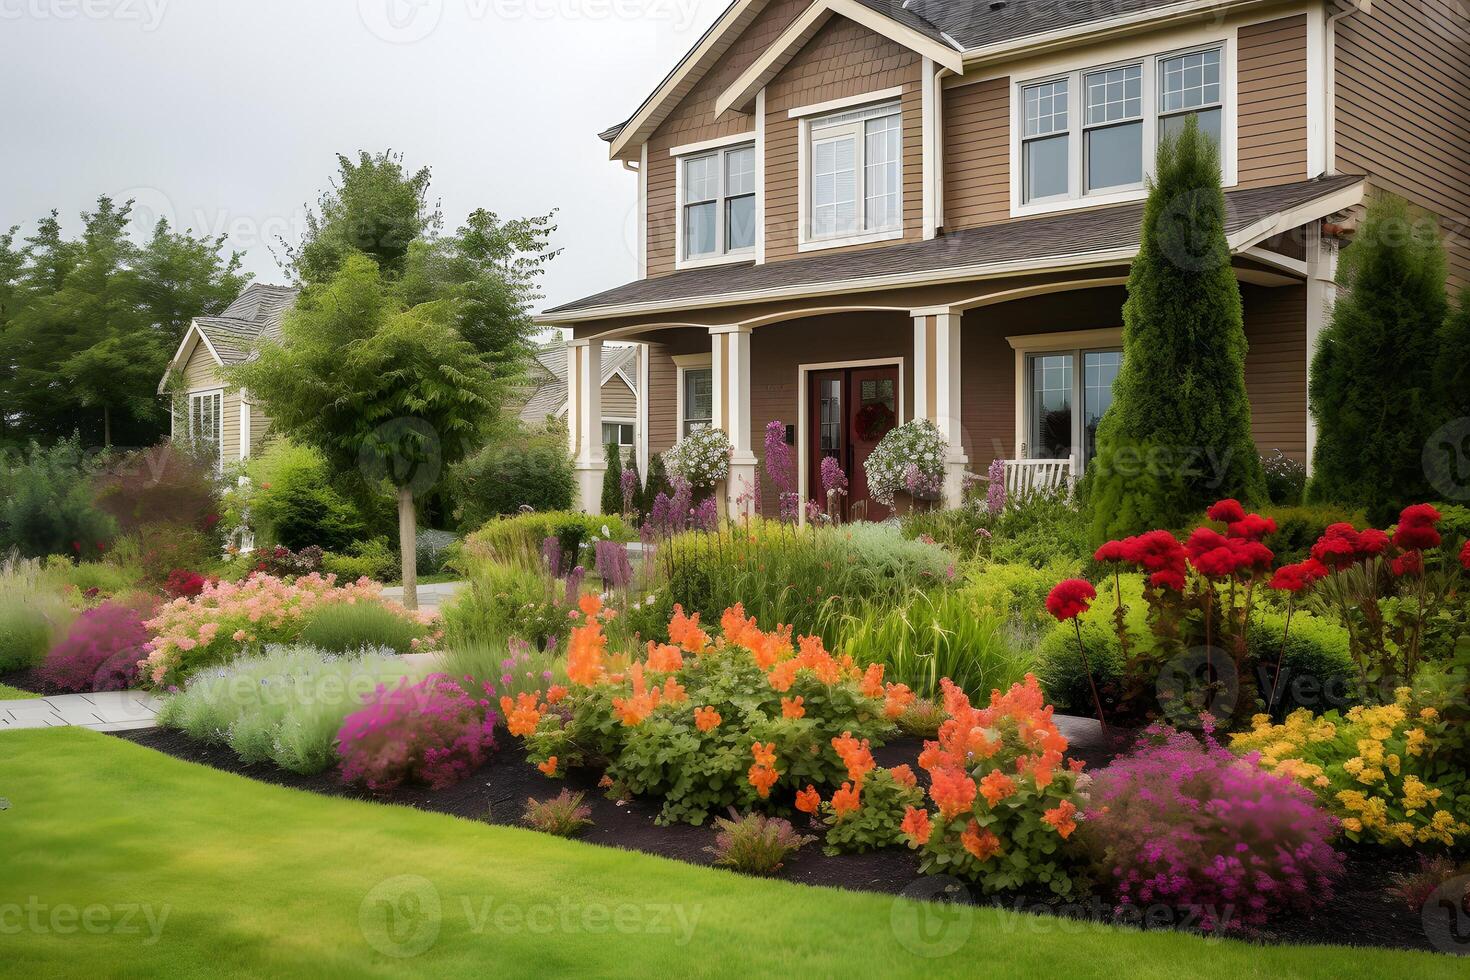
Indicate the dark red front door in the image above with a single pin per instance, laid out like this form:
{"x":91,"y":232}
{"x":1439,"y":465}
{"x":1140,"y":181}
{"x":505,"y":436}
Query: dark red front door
{"x":851,"y":409}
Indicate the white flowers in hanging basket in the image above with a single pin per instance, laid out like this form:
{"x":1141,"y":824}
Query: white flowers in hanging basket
{"x":909,"y":459}
{"x":702,"y":457}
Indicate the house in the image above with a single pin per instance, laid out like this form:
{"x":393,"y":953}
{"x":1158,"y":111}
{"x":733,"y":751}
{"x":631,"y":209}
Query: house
{"x":206,"y":409}
{"x":621,"y":409}
{"x":853,"y":212}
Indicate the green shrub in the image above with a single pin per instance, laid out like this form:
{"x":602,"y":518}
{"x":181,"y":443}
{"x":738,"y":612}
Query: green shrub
{"x":1286,"y":478}
{"x":46,"y":504}
{"x":562,"y":816}
{"x":503,"y":600}
{"x":433,"y":550}
{"x":501,"y":478}
{"x":342,"y":627}
{"x":285,"y":706}
{"x":108,"y":578}
{"x":371,"y":559}
{"x":1041,"y":530}
{"x":1017,"y":592}
{"x":155,"y":550}
{"x":26,"y":633}
{"x":956,"y":529}
{"x":656,"y":483}
{"x":1298,"y":528}
{"x":518,"y":537}
{"x":755,"y":844}
{"x":512,"y":665}
{"x":937,"y":634}
{"x":292,"y":500}
{"x":612,"y":480}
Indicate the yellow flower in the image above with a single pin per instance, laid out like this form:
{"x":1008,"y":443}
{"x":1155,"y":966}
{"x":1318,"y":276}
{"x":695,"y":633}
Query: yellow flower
{"x":1393,"y":764}
{"x":1403,"y":832}
{"x":1416,"y":795}
{"x":1414,"y":741}
{"x":1353,"y":824}
{"x":1353,"y":800}
{"x":1428,"y":714}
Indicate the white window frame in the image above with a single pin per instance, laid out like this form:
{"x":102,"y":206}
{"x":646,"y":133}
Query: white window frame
{"x":806,"y":241}
{"x":683,"y":364}
{"x":1074,"y":342}
{"x":717,"y":149}
{"x":1148,"y":59}
{"x":620,"y":422}
{"x":218,"y":394}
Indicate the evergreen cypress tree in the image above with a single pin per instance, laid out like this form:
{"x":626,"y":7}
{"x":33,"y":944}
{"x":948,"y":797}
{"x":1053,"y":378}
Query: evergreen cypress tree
{"x":1178,"y":434}
{"x":1452,"y":373}
{"x":1372,"y":390}
{"x":612,"y":481}
{"x":657,"y":482}
{"x":637,"y":500}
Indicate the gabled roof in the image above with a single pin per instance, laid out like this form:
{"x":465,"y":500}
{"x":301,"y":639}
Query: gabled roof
{"x":550,"y":396}
{"x":256,"y":312}
{"x":1053,"y":242}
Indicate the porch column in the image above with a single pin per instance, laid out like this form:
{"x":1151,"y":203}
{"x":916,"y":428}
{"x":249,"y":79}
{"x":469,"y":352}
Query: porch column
{"x":584,"y":422}
{"x":937,"y":390}
{"x":1321,"y":255}
{"x":730,"y":370}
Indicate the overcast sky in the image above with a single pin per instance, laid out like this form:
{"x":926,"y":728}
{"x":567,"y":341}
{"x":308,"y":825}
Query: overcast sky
{"x":226,"y":115}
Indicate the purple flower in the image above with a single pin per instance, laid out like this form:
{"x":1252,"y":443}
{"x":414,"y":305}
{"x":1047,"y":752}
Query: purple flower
{"x":834,"y":480}
{"x":551,"y":553}
{"x":781,"y":470}
{"x":995,"y":496}
{"x":610,"y":558}
{"x":630,"y":488}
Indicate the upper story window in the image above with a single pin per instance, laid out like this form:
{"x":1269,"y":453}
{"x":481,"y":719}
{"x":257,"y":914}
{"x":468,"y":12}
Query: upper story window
{"x":1091,"y":133}
{"x":718,"y":202}
{"x":854,"y":166}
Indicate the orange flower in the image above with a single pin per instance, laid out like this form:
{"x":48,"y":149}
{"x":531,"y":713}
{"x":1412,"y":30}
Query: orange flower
{"x":521,"y":715}
{"x":674,"y":692}
{"x":855,"y":755}
{"x":782,"y":675}
{"x":664,"y":657}
{"x":872,"y":685}
{"x":904,"y":776}
{"x":762,"y":778}
{"x":706,"y":718}
{"x":548,"y":767}
{"x":793,"y":708}
{"x":808,"y":800}
{"x":764,"y":755}
{"x":555,"y":693}
{"x":736,"y":628}
{"x":953,"y":790}
{"x":896,"y":700}
{"x":1060,"y":818}
{"x":605,"y":782}
{"x":996,"y":786}
{"x":767,"y":648}
{"x":585,"y":653}
{"x":916,"y":825}
{"x":636,"y":709}
{"x":684,"y":630}
{"x":847,"y":800}
{"x":981,"y":843}
{"x":590,"y":604}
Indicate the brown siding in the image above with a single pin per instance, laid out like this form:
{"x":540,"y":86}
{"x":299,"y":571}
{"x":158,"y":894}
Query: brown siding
{"x":1276,"y":367}
{"x":1272,"y":91}
{"x":977,"y":154}
{"x":618,"y":401}
{"x":693,"y":120}
{"x":1403,"y":109}
{"x":843,"y":59}
{"x":663,"y":379}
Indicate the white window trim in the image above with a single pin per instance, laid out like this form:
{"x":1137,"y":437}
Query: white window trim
{"x":805,"y":241}
{"x":1063,"y":341}
{"x":718,"y":147}
{"x":1148,"y":57}
{"x":620,"y":421}
{"x":847,"y":102}
{"x":219,"y":422}
{"x":684,"y":363}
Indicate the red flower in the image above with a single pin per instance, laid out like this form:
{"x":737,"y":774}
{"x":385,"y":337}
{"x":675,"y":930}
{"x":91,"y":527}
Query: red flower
{"x":1211,"y":554}
{"x":1298,"y":577}
{"x":76,"y":546}
{"x":1168,"y":579}
{"x":1420,"y":514}
{"x":1156,"y":551}
{"x":1227,"y":510}
{"x":1251,"y":554}
{"x":1409,"y":563}
{"x":1252,"y":527}
{"x":1337,"y":548}
{"x":1372,"y":541}
{"x":1465,"y":556}
{"x":1070,"y":598}
{"x":1416,"y":528}
{"x":1114,"y":551}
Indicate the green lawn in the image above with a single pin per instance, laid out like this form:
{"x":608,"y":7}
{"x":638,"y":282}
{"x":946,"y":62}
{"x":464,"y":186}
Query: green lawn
{"x":8,"y":693}
{"x":120,"y":861}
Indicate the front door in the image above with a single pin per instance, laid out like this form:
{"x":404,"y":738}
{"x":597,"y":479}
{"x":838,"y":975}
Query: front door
{"x":851,"y":409}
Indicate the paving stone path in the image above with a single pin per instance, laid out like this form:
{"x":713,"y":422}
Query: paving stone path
{"x":105,"y":711}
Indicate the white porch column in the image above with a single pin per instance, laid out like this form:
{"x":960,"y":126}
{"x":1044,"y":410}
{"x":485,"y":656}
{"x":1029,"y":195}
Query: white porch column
{"x":730,"y":364}
{"x":937,"y":390}
{"x":584,"y":421}
{"x":1321,"y":256}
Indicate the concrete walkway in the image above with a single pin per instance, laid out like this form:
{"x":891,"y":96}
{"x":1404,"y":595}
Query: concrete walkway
{"x":104,"y":711}
{"x":431,"y":596}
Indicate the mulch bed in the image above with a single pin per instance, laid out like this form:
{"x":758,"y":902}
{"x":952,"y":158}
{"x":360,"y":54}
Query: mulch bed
{"x":27,"y":680}
{"x":1363,"y":912}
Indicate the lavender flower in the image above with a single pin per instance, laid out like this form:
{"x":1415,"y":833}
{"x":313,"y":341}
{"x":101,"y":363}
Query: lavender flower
{"x":705,"y":517}
{"x":574,"y":585}
{"x":630,"y":488}
{"x":551,"y":553}
{"x":995,"y":497}
{"x":780,"y":469}
{"x":611,"y":561}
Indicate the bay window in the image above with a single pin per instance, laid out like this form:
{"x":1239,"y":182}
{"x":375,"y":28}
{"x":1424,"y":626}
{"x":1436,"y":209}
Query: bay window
{"x":717,"y":203}
{"x":854,"y":172}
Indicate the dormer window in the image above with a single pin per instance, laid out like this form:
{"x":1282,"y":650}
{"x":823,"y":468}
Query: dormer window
{"x":717,"y":203}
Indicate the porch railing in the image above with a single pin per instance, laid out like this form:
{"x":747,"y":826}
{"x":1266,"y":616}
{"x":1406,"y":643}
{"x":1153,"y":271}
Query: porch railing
{"x":1026,"y":477}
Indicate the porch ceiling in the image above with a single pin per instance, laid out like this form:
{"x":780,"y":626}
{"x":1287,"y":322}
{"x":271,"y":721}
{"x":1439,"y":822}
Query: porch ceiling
{"x":1051,"y":242}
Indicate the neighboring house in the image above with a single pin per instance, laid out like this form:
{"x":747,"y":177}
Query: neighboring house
{"x":206,"y":409}
{"x":852,"y":211}
{"x":621,"y":410}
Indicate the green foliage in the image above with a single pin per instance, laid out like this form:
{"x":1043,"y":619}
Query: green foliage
{"x":1178,"y":434}
{"x":155,"y":550}
{"x":533,"y":471}
{"x":1016,"y":592}
{"x":510,"y":665}
{"x":1452,"y":369}
{"x":876,"y":824}
{"x":656,"y":483}
{"x":755,"y":844}
{"x":503,"y":599}
{"x":612,"y":480}
{"x":108,"y":578}
{"x":87,"y":325}
{"x":956,"y":529}
{"x":284,"y":706}
{"x":1372,"y":390}
{"x":1298,"y":528}
{"x":342,"y":627}
{"x":935,"y":634}
{"x":1286,"y":478}
{"x":26,"y":633}
{"x":1041,"y":530}
{"x":563,"y":815}
{"x":371,"y":559}
{"x":507,"y":538}
{"x":46,"y":504}
{"x":293,"y":501}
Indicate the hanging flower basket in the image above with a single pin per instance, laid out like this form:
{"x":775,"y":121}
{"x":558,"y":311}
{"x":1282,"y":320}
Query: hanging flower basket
{"x":908,"y":461}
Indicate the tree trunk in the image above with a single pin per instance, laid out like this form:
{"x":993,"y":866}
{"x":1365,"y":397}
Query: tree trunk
{"x":407,"y":535}
{"x":106,"y":427}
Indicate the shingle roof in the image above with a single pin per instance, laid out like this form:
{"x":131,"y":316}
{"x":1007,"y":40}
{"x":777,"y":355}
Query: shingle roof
{"x":1029,"y":240}
{"x":550,"y":394}
{"x":258,"y":311}
{"x":978,"y":23}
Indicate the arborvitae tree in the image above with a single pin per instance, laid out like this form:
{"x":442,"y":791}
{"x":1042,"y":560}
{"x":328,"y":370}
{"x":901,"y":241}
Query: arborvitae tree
{"x":657,"y":482}
{"x":612,"y":480}
{"x":1372,"y":390}
{"x":637,"y":501}
{"x":1452,"y":373}
{"x":1178,"y":434}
